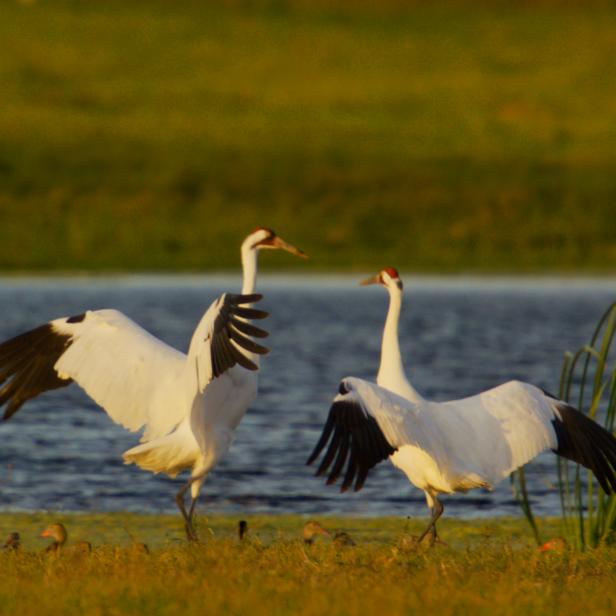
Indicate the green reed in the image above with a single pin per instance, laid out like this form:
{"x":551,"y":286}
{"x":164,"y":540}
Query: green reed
{"x":588,"y":381}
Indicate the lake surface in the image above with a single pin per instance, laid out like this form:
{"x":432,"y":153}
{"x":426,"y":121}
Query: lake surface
{"x":458,"y":336}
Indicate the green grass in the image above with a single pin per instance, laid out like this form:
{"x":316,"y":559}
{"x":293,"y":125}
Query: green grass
{"x":488,"y":567}
{"x":450,"y":136}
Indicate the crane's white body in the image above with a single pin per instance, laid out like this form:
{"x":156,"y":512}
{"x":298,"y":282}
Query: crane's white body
{"x":186,"y":405}
{"x":454,"y":446}
{"x":188,"y":417}
{"x":469,"y":443}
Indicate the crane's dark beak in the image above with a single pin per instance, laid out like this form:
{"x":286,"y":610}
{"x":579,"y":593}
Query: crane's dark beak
{"x":278,"y":242}
{"x":376,"y":279}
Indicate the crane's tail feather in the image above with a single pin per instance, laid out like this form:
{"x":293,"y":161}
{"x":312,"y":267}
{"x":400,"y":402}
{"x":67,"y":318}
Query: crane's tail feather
{"x":167,"y":455}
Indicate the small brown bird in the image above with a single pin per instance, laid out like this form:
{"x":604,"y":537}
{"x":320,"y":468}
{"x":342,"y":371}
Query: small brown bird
{"x":242,"y":529}
{"x":407,"y":542}
{"x":12,"y":542}
{"x":138,"y":548}
{"x":343,"y":540}
{"x":312,"y":530}
{"x":57,"y":532}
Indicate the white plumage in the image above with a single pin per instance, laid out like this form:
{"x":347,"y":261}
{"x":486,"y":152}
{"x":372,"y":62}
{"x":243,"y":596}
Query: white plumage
{"x":123,"y":368}
{"x":187,"y":405}
{"x":454,"y":446}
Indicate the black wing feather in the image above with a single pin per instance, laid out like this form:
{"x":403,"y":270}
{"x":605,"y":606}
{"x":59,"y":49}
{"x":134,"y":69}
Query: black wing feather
{"x":27,"y":365}
{"x":584,"y":441}
{"x":354,"y":431}
{"x":343,"y":452}
{"x":227,"y":327}
{"x":247,"y":328}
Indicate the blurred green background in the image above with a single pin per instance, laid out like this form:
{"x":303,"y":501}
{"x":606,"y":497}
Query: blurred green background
{"x":438,"y":137}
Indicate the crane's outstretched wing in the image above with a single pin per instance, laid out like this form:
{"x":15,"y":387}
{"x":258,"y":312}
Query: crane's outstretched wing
{"x":120,"y":366}
{"x":221,"y":338}
{"x":485,"y":436}
{"x":139,"y":380}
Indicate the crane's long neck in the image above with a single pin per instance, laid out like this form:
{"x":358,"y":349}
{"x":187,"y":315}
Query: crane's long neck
{"x":391,"y":371}
{"x":249,"y":267}
{"x":249,"y":285}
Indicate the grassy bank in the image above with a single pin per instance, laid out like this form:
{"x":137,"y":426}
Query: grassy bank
{"x":436,"y":137}
{"x":489,"y":567}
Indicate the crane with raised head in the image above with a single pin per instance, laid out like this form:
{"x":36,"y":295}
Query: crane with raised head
{"x":186,"y":405}
{"x":454,"y":446}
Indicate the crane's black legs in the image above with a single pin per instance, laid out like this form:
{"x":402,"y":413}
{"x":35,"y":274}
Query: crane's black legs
{"x":436,"y":510}
{"x":191,"y":534}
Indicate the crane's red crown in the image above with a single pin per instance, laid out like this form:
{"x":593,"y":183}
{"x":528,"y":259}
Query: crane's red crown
{"x":392,"y":272}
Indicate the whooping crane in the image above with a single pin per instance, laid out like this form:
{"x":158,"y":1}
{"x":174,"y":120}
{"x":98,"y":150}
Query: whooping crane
{"x":188,"y":405}
{"x":455,"y":446}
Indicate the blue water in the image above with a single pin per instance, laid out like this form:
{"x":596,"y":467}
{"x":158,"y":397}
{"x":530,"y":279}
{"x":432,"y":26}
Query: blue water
{"x":458,"y":336}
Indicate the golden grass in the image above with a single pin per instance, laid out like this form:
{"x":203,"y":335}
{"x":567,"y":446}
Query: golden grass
{"x":489,"y":567}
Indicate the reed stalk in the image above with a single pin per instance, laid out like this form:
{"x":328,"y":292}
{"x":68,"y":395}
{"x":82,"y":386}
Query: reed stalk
{"x":588,"y":380}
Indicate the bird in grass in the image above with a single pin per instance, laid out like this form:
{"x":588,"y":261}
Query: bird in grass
{"x":454,"y":446}
{"x":186,"y":405}
{"x":312,"y":530}
{"x":138,"y":548}
{"x":13,"y":542}
{"x":342,"y":539}
{"x":57,"y":532}
{"x":242,"y":529}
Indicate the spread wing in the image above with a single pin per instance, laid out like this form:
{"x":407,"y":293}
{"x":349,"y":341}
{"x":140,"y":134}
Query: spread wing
{"x":485,"y":436}
{"x":121,"y":366}
{"x":140,"y":381}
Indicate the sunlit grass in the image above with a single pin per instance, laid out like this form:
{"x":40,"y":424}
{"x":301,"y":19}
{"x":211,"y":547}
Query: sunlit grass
{"x":488,"y":567}
{"x":455,"y":136}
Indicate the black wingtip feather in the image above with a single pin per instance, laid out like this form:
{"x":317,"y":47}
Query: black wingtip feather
{"x":584,"y":441}
{"x":250,"y":313}
{"x":229,"y":335}
{"x":247,"y":328}
{"x":246,"y":343}
{"x":357,"y":441}
{"x":327,"y":430}
{"x":249,"y":298}
{"x":27,"y":366}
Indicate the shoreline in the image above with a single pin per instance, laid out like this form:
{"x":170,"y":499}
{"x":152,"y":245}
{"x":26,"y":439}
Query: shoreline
{"x":308,"y":279}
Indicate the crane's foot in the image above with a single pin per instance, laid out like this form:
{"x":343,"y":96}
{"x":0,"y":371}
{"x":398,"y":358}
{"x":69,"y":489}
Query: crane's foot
{"x":429,"y":530}
{"x":435,"y":539}
{"x":191,"y":534}
{"x":436,"y":510}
